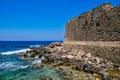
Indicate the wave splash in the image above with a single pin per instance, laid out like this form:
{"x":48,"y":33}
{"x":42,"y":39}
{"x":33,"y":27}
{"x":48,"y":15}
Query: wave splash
{"x":34,"y":46}
{"x":13,"y":52}
{"x":12,"y":66}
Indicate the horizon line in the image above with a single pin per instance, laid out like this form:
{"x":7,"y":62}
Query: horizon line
{"x":31,"y":40}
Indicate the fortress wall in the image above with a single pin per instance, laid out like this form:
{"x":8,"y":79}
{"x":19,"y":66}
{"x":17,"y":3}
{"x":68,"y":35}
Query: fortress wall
{"x":96,"y":31}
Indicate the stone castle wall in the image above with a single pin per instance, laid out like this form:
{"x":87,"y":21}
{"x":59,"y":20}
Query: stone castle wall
{"x":100,"y":24}
{"x":96,"y":31}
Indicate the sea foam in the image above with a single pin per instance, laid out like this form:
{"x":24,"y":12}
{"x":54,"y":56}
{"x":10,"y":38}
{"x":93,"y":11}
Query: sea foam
{"x":14,"y":52}
{"x":12,"y":66}
{"x":34,"y":46}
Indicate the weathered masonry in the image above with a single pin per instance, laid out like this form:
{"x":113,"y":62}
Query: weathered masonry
{"x":96,"y":32}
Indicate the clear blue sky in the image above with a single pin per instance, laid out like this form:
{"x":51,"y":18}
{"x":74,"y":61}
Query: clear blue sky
{"x":40,"y":19}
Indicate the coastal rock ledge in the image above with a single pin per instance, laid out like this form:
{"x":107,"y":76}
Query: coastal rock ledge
{"x":97,"y":32}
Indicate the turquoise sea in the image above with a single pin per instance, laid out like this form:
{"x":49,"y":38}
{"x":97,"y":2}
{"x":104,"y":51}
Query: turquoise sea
{"x":13,"y":68}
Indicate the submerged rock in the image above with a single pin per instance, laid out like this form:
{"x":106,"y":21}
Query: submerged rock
{"x":46,"y":78}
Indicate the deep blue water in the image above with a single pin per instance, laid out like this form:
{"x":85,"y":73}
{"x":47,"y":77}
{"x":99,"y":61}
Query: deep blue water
{"x":16,"y":45}
{"x":12,"y":67}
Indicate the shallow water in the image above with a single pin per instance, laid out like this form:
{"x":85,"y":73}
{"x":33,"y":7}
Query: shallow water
{"x":13,"y":68}
{"x":31,"y":74}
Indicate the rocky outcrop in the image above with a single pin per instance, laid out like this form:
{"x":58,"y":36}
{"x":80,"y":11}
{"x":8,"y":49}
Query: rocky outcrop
{"x":73,"y":63}
{"x":96,"y":31}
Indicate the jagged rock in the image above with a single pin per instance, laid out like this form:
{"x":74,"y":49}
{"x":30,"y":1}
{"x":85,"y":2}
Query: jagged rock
{"x":55,"y":44}
{"x":25,"y":55}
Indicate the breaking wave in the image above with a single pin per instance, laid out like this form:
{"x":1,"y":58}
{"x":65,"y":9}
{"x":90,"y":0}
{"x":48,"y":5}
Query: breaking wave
{"x":14,"y":52}
{"x":34,"y":46}
{"x":12,"y":66}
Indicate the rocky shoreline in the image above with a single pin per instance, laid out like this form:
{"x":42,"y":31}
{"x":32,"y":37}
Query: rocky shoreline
{"x":91,"y":47}
{"x":73,"y":61}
